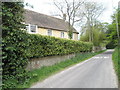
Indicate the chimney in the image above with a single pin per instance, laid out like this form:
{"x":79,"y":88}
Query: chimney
{"x":64,"y":17}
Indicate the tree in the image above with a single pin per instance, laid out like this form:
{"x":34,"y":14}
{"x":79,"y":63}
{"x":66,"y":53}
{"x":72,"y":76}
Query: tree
{"x":113,"y":32}
{"x":91,"y":11}
{"x":99,"y":34}
{"x":71,"y":10}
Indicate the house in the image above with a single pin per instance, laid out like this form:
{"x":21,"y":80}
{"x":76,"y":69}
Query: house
{"x":38,"y":23}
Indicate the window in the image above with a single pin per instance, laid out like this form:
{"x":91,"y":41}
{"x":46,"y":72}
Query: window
{"x":31,"y":28}
{"x":62,"y":34}
{"x":49,"y":32}
{"x":73,"y":36}
{"x":27,"y":27}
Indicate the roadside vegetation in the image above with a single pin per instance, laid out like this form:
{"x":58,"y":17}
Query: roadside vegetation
{"x":18,"y":47}
{"x":46,"y":71}
{"x":116,"y":61}
{"x":113,"y":32}
{"x":113,"y":35}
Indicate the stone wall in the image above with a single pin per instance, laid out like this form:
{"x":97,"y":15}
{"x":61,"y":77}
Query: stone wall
{"x":47,"y":61}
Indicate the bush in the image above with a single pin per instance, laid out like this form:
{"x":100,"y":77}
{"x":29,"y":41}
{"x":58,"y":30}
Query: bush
{"x":116,"y":61}
{"x":111,"y":45}
{"x":41,"y":46}
{"x":14,"y":43}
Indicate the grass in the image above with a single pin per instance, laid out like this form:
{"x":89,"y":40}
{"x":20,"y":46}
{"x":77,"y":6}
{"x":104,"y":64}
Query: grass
{"x":116,"y":61}
{"x":44,"y":72}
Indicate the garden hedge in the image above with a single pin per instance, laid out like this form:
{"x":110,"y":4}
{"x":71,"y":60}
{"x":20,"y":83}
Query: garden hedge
{"x":41,"y":46}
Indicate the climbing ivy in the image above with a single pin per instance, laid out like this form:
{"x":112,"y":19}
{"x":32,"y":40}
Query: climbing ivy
{"x":14,"y":41}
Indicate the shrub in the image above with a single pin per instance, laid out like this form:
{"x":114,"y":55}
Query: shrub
{"x":111,"y":45}
{"x":14,"y":42}
{"x":116,"y":61}
{"x":41,"y":46}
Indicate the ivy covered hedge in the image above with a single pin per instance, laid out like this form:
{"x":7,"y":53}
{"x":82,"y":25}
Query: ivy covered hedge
{"x":14,"y":44}
{"x":40,"y":46}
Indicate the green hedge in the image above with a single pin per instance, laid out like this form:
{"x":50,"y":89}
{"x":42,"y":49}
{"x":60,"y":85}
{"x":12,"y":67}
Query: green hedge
{"x":22,"y":47}
{"x":41,"y":46}
{"x":116,"y":61}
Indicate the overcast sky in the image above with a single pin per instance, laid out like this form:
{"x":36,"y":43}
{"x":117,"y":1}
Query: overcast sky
{"x":47,"y":7}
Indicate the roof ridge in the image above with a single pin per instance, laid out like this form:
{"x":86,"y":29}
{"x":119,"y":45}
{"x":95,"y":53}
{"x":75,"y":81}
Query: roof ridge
{"x":43,"y":14}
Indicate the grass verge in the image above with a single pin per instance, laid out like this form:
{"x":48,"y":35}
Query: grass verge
{"x":116,"y":61}
{"x":44,"y":72}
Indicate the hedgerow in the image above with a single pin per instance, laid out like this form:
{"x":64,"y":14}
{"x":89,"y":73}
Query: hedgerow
{"x":41,"y":46}
{"x":14,"y":44}
{"x":116,"y":61}
{"x":18,"y":46}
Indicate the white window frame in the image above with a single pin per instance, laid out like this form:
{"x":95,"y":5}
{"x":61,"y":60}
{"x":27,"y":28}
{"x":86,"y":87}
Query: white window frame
{"x":73,"y":36}
{"x":62,"y":34}
{"x":49,"y":33}
{"x":29,"y":29}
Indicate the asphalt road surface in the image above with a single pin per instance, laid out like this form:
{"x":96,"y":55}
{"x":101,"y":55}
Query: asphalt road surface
{"x":96,"y":72}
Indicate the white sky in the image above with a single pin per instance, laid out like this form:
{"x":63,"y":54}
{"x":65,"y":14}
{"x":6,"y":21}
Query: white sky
{"x":47,"y":7}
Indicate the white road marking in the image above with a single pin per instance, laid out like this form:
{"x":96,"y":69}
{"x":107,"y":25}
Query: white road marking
{"x":100,"y":57}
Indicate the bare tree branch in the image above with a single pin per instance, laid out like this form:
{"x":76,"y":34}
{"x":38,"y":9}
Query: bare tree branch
{"x":59,"y":7}
{"x":71,"y":9}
